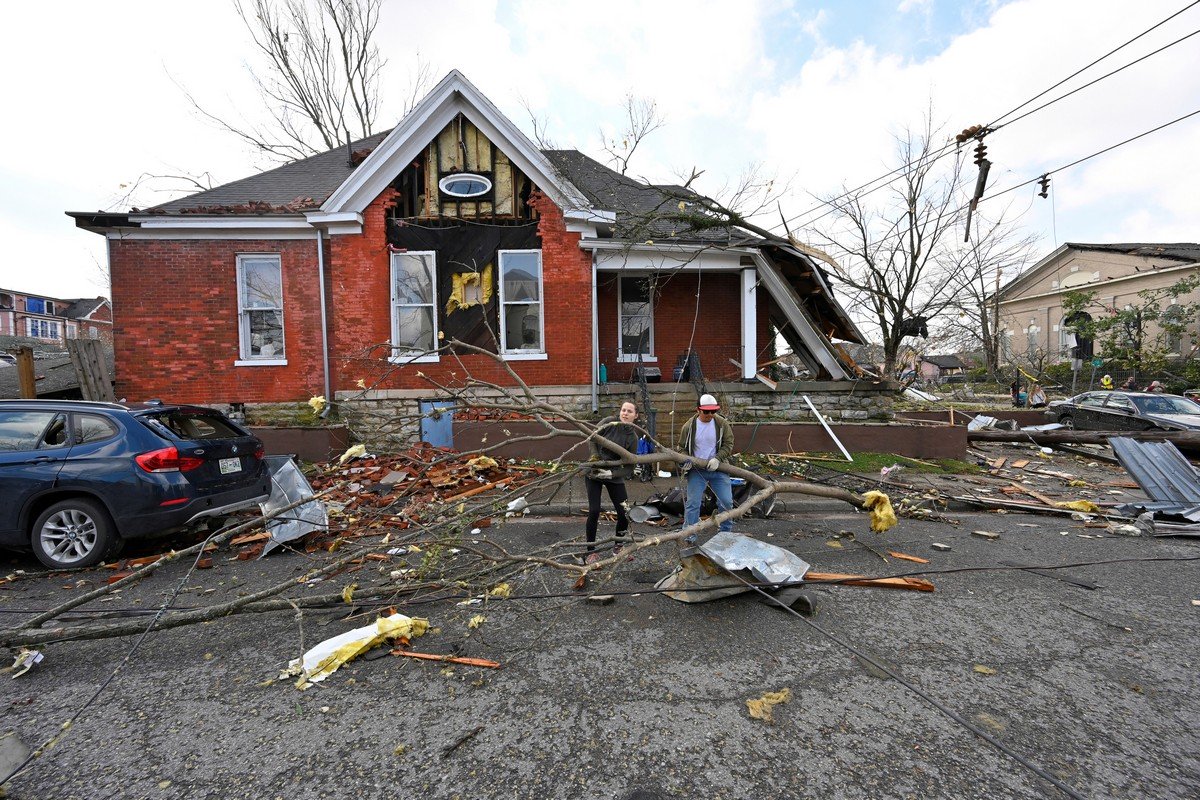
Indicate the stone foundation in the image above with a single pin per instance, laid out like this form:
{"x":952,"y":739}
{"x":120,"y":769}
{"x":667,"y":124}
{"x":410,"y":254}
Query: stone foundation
{"x":390,"y":419}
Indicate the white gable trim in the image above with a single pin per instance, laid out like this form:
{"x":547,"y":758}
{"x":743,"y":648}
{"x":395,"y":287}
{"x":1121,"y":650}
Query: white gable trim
{"x":453,"y":95}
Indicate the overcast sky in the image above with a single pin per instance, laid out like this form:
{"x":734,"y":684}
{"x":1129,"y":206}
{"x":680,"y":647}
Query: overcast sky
{"x":814,"y":91}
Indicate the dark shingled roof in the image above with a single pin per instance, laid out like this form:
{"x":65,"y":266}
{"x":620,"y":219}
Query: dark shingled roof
{"x":81,"y":308}
{"x":945,"y":362}
{"x":1185,"y":251}
{"x":313,"y":178}
{"x":644,"y":211}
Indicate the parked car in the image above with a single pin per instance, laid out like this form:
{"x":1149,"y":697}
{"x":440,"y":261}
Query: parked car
{"x":77,"y":478}
{"x":8,"y":360}
{"x":1126,"y":411}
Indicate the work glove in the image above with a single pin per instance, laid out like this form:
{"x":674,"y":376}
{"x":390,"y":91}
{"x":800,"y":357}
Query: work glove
{"x":602,"y":474}
{"x":713,"y":463}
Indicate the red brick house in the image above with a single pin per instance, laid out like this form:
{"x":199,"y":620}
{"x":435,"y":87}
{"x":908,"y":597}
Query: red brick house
{"x":363,"y":263}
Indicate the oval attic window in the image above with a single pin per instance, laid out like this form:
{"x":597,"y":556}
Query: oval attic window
{"x":465,"y":184}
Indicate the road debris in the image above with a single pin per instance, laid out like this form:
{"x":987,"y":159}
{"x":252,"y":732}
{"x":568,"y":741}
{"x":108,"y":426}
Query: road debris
{"x":941,"y":548}
{"x":761,"y":707}
{"x":323,"y":660}
{"x":991,"y":536}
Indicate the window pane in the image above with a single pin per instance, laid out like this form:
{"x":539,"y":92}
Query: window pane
{"x":414,"y":282}
{"x":522,"y":326}
{"x":635,"y":335}
{"x":93,"y":428}
{"x":266,"y":333}
{"x":20,"y":430}
{"x":261,"y":284}
{"x":415,"y":328}
{"x":190,"y":425}
{"x":521,"y":273}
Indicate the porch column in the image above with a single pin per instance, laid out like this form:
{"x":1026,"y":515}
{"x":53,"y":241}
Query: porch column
{"x":749,"y":324}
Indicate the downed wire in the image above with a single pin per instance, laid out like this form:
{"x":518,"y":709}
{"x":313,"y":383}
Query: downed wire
{"x":949,"y":712}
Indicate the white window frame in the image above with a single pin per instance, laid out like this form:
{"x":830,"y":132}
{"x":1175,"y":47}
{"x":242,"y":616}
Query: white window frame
{"x":458,"y":176}
{"x":622,"y":356}
{"x":245,"y":359}
{"x":521,"y":353}
{"x":36,"y":326}
{"x":401,"y":355}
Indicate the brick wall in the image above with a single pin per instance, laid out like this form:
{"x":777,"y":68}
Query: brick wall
{"x":175,"y":326}
{"x":361,"y":326}
{"x":717,"y":316}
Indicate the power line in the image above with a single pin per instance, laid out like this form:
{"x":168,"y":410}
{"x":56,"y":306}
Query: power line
{"x":1093,"y":155}
{"x":1094,"y":63}
{"x":1097,"y":80}
{"x":937,"y":154}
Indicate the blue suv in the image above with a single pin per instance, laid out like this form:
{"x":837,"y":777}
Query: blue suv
{"x":77,"y":478}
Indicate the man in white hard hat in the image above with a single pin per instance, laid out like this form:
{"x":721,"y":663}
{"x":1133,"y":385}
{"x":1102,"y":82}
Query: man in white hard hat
{"x":709,"y":437}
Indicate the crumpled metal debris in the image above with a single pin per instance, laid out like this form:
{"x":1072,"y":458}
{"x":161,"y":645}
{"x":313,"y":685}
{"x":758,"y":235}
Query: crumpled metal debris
{"x":705,"y":575}
{"x":288,"y":485}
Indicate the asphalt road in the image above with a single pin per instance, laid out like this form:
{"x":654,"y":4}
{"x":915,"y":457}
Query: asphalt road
{"x":646,"y":697}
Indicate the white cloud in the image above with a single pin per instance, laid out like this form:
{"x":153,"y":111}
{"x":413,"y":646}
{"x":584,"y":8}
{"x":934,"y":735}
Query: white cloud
{"x":98,"y":108}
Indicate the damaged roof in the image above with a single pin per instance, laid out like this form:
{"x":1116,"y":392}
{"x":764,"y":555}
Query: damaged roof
{"x":1185,"y":251}
{"x":294,"y":187}
{"x":644,"y":211}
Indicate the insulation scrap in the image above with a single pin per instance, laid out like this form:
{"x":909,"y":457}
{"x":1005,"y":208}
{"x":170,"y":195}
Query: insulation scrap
{"x":357,"y":451}
{"x":883,"y":516}
{"x":1085,"y":506}
{"x":760,"y":708}
{"x":317,"y":403}
{"x":323,"y":660}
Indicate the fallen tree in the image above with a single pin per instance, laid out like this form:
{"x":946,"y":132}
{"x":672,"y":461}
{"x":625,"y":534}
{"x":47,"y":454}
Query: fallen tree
{"x":436,"y":526}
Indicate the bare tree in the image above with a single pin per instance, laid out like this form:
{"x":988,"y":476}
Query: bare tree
{"x":641,"y":119}
{"x":895,"y":250}
{"x":998,"y":250}
{"x":318,"y":77}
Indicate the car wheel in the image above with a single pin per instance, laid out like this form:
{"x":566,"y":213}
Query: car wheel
{"x":72,"y":533}
{"x":1067,"y":422}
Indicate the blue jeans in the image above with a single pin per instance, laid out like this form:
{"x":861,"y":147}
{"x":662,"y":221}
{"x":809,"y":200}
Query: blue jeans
{"x":697,"y":479}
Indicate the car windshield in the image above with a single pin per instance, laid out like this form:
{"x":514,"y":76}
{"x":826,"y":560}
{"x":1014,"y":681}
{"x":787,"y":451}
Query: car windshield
{"x":1165,"y":404}
{"x":195,"y":425}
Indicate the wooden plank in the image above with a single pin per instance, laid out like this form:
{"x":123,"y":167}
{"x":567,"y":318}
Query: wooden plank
{"x":1036,"y":495}
{"x":25,"y":374}
{"x":470,"y":662}
{"x":999,"y":462}
{"x":907,"y":557}
{"x":1024,"y":462}
{"x":911,"y":584}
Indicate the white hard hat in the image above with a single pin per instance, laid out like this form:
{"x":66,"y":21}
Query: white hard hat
{"x":708,"y":403}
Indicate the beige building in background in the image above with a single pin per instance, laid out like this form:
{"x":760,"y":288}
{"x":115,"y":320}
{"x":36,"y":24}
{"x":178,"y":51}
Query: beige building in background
{"x":1031,"y":305}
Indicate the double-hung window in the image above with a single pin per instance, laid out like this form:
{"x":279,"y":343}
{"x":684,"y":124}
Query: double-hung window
{"x":260,"y":308}
{"x":414,"y":310}
{"x":636,"y":304}
{"x":521,"y":325}
{"x":43,"y":329}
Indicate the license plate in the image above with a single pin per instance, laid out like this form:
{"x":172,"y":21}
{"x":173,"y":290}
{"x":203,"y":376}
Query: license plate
{"x":230,"y":465}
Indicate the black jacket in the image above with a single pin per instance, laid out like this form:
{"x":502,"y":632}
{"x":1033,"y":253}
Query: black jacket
{"x":617,"y":432}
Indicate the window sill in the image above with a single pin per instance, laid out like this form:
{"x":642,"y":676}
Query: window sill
{"x":262,"y":362}
{"x":420,"y":359}
{"x":524,"y":356}
{"x":623,"y":359}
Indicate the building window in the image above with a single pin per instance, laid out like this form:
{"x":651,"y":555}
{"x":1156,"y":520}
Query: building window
{"x":636,"y":305}
{"x":465,"y":184}
{"x":93,"y":333}
{"x":1173,"y":324}
{"x":1032,"y":332}
{"x":49,"y":306}
{"x":43,"y":329}
{"x":521,"y":301}
{"x":35,"y":305}
{"x":260,"y":307}
{"x":414,"y":312}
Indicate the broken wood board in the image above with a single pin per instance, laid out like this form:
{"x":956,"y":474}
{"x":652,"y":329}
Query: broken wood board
{"x":1021,"y":464}
{"x":911,"y":584}
{"x":907,"y":557}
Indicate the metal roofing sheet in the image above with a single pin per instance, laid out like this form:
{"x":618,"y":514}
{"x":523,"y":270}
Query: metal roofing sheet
{"x":1160,"y":469}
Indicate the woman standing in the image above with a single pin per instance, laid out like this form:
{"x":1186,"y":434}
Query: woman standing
{"x":618,"y":430}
